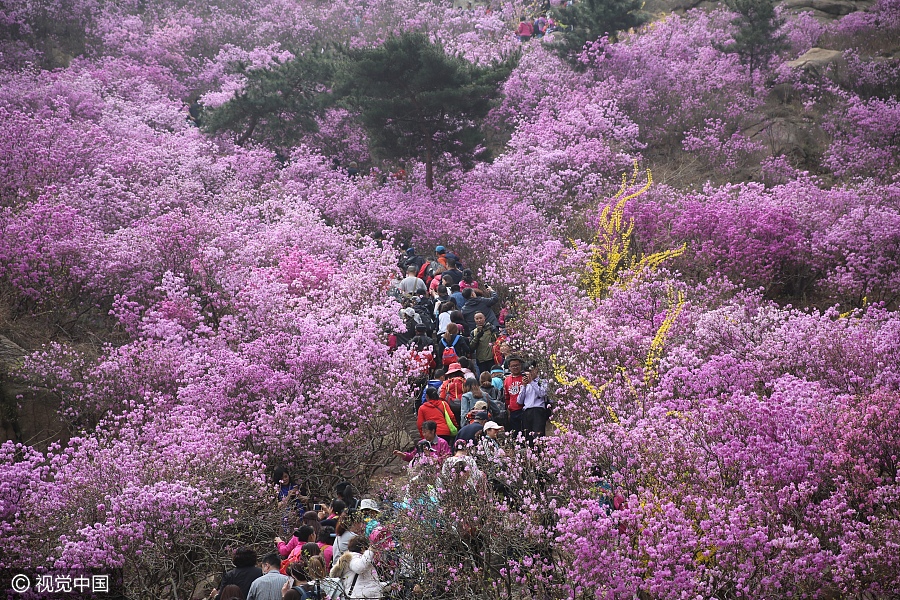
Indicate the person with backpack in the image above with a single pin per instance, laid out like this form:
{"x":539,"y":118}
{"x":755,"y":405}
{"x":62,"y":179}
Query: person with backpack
{"x":441,"y":294}
{"x":452,"y":345}
{"x":482,"y":343}
{"x":424,"y":308}
{"x":473,"y":394}
{"x":492,"y":399}
{"x":411,"y":284}
{"x":436,"y":382}
{"x":436,"y":410}
{"x":440,"y":254}
{"x":422,"y":352}
{"x":411,"y":259}
{"x":452,"y":272}
{"x":478,"y":301}
{"x":453,"y":388}
{"x":437,"y":272}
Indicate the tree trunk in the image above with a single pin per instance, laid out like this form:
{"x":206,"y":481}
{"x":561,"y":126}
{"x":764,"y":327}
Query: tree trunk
{"x":254,"y":121}
{"x":429,"y":161}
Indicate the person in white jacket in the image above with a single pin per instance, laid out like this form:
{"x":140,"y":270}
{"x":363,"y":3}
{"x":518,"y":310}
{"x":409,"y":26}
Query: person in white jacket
{"x":356,"y":570}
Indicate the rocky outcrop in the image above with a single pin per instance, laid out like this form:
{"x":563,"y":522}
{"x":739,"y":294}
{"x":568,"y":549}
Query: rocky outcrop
{"x":818,"y":60}
{"x":823,"y":10}
{"x":831,"y":8}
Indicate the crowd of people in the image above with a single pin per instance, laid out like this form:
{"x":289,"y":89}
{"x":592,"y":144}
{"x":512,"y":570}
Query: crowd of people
{"x":472,"y":389}
{"x":328,"y":556}
{"x":455,"y":331}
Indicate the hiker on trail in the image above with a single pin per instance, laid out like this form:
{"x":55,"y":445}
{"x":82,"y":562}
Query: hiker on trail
{"x":470,"y":432}
{"x":452,"y":272}
{"x":446,"y":309}
{"x":437,"y":280}
{"x":452,"y":390}
{"x":439,"y":412}
{"x":356,"y":570}
{"x":512,"y":387}
{"x":440,"y":254}
{"x":244,"y":573}
{"x":461,"y":469}
{"x":464,"y":364}
{"x":482,"y":343}
{"x":533,"y":399}
{"x":502,"y":354}
{"x":525,"y":30}
{"x":411,"y":259}
{"x":468,"y":280}
{"x":300,"y":537}
{"x":492,"y":398}
{"x":498,"y":373}
{"x":471,"y":395}
{"x":424,"y":449}
{"x":349,"y":526}
{"x":457,"y":295}
{"x":489,"y":445}
{"x":411,"y":284}
{"x":268,"y":587}
{"x":422,"y":352}
{"x":457,"y":317}
{"x":478,"y":301}
{"x":540,"y":26}
{"x":452,"y":345}
{"x":454,"y":259}
{"x":440,"y":294}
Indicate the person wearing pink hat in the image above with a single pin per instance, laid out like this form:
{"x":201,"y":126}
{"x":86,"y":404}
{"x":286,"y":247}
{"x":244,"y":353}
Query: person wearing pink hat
{"x":453,"y":389}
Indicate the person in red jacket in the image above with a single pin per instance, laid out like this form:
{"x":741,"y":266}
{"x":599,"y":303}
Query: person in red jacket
{"x":525,"y":30}
{"x":512,"y":385}
{"x":435,"y":409}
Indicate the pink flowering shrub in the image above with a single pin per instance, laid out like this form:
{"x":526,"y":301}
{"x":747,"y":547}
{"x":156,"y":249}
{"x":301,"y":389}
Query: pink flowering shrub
{"x":865,"y":138}
{"x":672,"y":79}
{"x":215,"y":312}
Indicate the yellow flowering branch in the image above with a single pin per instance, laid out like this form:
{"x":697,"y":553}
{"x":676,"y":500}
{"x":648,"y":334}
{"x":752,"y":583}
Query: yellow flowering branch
{"x":651,"y":363}
{"x":562,"y":378}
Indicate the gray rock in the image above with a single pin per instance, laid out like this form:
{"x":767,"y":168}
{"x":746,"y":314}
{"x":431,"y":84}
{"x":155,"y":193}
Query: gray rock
{"x":816,"y":60}
{"x":831,"y":7}
{"x":791,"y":136}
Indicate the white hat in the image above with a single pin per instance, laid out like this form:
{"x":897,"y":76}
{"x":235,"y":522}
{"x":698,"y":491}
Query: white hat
{"x":370,"y":504}
{"x":490,"y":425}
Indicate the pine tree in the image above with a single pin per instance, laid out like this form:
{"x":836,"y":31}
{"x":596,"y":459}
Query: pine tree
{"x":276,"y":106}
{"x":588,"y":20}
{"x":756,"y":39}
{"x":416,"y":101}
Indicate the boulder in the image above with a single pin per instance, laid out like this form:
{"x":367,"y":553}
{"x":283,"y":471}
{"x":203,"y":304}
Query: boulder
{"x":817,"y":60}
{"x":831,"y":7}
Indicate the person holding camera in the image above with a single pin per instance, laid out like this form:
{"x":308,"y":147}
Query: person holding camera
{"x":482,"y":343}
{"x":534,"y":401}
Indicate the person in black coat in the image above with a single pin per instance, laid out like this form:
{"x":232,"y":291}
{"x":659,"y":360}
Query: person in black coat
{"x":244,"y":573}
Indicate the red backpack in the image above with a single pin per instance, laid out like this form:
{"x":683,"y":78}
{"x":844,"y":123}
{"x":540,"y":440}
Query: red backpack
{"x":449,"y":356}
{"x":423,"y":362}
{"x":426,"y":272}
